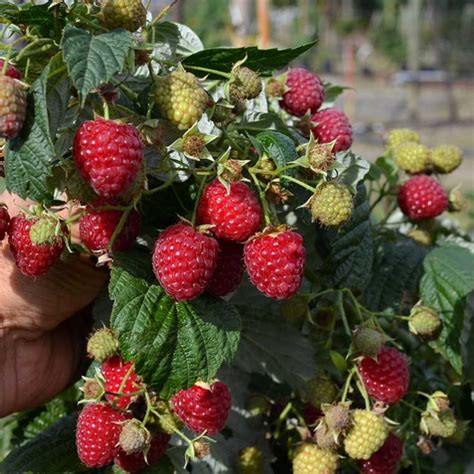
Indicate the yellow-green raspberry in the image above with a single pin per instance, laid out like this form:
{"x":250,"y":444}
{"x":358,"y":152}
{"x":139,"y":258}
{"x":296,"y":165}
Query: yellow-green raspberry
{"x":367,"y":435}
{"x":250,"y":461}
{"x":332,"y":204}
{"x":128,"y":14}
{"x":102,"y":344}
{"x":310,"y":459}
{"x":245,"y":82}
{"x":397,"y":136}
{"x":180,"y":98}
{"x":424,"y":322}
{"x":320,"y":390}
{"x":412,"y":157}
{"x":442,"y":424}
{"x":446,"y":158}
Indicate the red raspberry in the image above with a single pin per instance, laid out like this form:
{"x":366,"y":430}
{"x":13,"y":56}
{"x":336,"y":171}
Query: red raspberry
{"x":114,"y":371}
{"x":97,"y":227}
{"x":333,"y":125}
{"x":136,"y":462}
{"x":109,"y":155}
{"x":4,"y":221}
{"x":229,"y":269}
{"x":306,"y":92}
{"x":386,"y":378}
{"x":386,"y":460}
{"x":422,"y":197}
{"x":203,"y":408}
{"x":275,"y":263}
{"x":97,"y":434}
{"x":12,"y":71}
{"x":184,"y":261}
{"x":235,"y":215}
{"x":32,"y":259}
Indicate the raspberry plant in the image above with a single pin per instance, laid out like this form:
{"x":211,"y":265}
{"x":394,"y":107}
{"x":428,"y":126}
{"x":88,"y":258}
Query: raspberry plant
{"x":187,"y":167}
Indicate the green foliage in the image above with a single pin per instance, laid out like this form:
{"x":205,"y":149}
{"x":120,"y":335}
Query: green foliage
{"x":447,"y":280}
{"x":173,"y":344}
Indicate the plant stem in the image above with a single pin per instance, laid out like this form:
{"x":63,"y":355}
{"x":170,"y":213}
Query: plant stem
{"x":261,"y":194}
{"x":210,"y":71}
{"x":340,"y":306}
{"x":162,"y":14}
{"x":347,"y":384}
{"x":299,"y":183}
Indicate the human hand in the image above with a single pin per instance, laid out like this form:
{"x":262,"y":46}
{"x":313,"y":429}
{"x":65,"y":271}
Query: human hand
{"x":43,"y":324}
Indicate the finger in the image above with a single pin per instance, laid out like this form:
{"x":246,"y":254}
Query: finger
{"x":44,"y":302}
{"x":35,"y":367}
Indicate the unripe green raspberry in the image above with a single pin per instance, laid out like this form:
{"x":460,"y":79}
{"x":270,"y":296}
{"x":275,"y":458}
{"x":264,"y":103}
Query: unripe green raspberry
{"x":441,"y":424}
{"x":320,"y":157}
{"x":12,"y":107}
{"x":368,"y":341}
{"x":128,"y":14}
{"x":275,"y":88}
{"x":367,"y":434}
{"x":310,"y":459}
{"x":456,"y":200}
{"x":194,"y":145}
{"x":397,"y":136}
{"x":180,"y":98}
{"x":446,"y":158}
{"x":294,"y":309}
{"x":320,"y":390}
{"x":412,"y":157}
{"x":250,"y":461}
{"x":424,"y":322}
{"x":45,"y":231}
{"x":257,"y":404}
{"x":246,"y":83}
{"x":102,"y":345}
{"x":337,"y":417}
{"x":462,"y":427}
{"x":325,"y":438}
{"x":134,"y":437}
{"x":332,"y":204}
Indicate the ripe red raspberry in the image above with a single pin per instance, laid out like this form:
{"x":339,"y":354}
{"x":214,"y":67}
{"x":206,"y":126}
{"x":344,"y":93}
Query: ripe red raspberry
{"x":306,"y":92}
{"x":115,"y":371}
{"x":229,"y":269}
{"x":386,"y":460}
{"x":12,"y":107}
{"x":97,"y":434}
{"x":136,"y":462}
{"x":4,"y":221}
{"x":275,"y":262}
{"x":333,"y":125}
{"x":422,"y":197}
{"x":109,"y":155}
{"x":33,"y":257}
{"x":203,"y":407}
{"x":235,"y":215}
{"x":12,"y":71}
{"x":96,"y":228}
{"x":184,"y":260}
{"x":386,"y":378}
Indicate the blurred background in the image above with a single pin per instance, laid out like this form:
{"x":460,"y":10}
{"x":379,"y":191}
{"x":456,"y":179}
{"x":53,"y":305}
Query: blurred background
{"x":408,"y":63}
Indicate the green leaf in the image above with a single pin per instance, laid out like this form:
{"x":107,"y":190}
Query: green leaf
{"x":281,"y":149}
{"x":30,"y":156}
{"x":396,"y":274}
{"x":54,"y":450}
{"x":272,"y":347}
{"x":338,"y":360}
{"x":173,"y":344}
{"x":384,"y":165}
{"x":257,"y":122}
{"x":332,"y":92}
{"x":351,"y":169}
{"x":58,"y":93}
{"x":93,"y":60}
{"x":265,"y":61}
{"x":173,"y":40}
{"x":447,"y":280}
{"x":349,"y":263}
